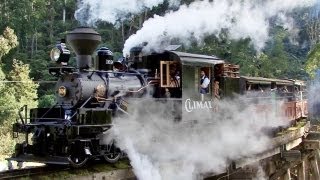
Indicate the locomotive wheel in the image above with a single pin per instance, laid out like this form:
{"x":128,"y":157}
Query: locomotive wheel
{"x":77,"y":161}
{"x":112,"y":157}
{"x":112,"y":154}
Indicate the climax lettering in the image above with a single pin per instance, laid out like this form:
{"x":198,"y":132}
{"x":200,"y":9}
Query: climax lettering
{"x":192,"y":105}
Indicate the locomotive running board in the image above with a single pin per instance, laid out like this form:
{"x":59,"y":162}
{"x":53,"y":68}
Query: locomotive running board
{"x":58,"y":160}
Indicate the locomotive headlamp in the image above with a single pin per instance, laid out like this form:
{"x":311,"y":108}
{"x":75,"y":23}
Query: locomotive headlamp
{"x":55,"y":54}
{"x":60,"y":54}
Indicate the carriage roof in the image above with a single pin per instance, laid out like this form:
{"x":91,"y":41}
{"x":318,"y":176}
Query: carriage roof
{"x":196,"y":59}
{"x":299,"y":83}
{"x":261,"y":80}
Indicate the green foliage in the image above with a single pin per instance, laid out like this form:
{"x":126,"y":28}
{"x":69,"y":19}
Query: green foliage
{"x":25,"y":90}
{"x":7,"y":144}
{"x":47,"y":101}
{"x":13,"y":97}
{"x":8,"y":41}
{"x":8,"y":106}
{"x":7,"y":98}
{"x":313,"y":61}
{"x":271,"y":62}
{"x":16,"y":89}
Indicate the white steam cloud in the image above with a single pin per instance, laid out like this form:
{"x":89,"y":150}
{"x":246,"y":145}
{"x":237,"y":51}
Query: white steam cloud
{"x":162,"y":149}
{"x":314,"y":100}
{"x":91,"y":11}
{"x":242,"y":19}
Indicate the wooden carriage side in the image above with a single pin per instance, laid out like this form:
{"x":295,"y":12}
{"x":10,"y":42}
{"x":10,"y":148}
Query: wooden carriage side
{"x":270,"y":92}
{"x":178,"y":77}
{"x":184,"y":68}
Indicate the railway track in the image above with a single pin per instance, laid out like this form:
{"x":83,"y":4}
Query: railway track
{"x":27,"y":172}
{"x":94,"y":170}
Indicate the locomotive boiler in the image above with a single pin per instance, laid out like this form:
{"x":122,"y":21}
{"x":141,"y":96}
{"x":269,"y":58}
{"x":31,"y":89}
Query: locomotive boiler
{"x":90,"y":83}
{"x":90,"y":95}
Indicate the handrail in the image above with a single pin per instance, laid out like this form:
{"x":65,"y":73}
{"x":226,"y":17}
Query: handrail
{"x":20,"y":115}
{"x":143,"y":87}
{"x":113,"y":72}
{"x":86,"y":102}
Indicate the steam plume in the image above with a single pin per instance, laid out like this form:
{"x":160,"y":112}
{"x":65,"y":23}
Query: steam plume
{"x":162,"y":149}
{"x":314,"y":100}
{"x":91,"y":11}
{"x":242,"y":19}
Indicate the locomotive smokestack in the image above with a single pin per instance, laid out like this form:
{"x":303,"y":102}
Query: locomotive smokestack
{"x":83,"y":41}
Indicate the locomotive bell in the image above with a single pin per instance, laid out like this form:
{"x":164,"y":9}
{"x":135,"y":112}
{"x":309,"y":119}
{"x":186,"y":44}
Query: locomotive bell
{"x":83,"y":41}
{"x":120,"y":64}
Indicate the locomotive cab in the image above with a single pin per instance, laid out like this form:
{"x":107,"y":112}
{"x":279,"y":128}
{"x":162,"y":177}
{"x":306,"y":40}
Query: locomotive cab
{"x":176,"y":77}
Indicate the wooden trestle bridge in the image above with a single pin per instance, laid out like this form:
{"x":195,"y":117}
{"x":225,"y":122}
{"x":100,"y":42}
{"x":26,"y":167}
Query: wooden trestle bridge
{"x":295,"y":155}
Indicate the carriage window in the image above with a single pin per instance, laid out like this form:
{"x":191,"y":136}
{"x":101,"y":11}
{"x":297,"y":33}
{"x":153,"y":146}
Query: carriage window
{"x":170,"y":74}
{"x":164,"y":75}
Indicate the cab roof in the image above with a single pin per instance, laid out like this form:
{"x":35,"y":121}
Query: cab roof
{"x":196,"y":59}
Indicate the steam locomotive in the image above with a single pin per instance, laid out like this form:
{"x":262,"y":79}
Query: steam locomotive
{"x":90,"y":95}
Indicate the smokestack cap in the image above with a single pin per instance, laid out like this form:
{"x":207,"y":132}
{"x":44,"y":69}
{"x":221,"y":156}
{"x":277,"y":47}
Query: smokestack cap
{"x":83,"y":40}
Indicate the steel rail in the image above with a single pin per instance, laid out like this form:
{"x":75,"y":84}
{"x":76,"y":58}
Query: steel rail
{"x":26,"y":172}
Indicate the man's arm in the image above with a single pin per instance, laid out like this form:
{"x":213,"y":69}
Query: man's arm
{"x":205,"y":83}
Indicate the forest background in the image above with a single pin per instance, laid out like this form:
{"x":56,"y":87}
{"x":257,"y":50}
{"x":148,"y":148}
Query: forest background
{"x":31,"y":28}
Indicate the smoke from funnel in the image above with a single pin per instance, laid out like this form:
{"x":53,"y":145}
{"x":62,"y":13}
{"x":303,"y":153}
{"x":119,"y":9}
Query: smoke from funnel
{"x":91,"y":11}
{"x":242,"y":19}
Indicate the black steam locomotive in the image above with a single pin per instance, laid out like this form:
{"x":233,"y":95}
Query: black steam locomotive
{"x":89,"y":96}
{"x":87,"y":99}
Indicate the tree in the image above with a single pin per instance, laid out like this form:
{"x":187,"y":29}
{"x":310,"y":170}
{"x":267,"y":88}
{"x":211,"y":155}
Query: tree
{"x":47,"y":101}
{"x":17,"y":89}
{"x":313,"y":62}
{"x":8,"y":41}
{"x":25,"y":90}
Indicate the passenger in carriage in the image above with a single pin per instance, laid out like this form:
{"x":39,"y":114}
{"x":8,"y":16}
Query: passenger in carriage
{"x":174,"y":76}
{"x":285,"y":89}
{"x":255,"y":90}
{"x":175,"y":82}
{"x":284,"y":92}
{"x":204,"y":83}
